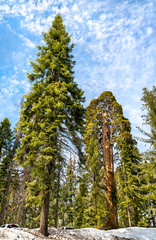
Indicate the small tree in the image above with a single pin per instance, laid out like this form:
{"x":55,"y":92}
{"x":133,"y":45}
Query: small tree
{"x":6,"y":157}
{"x":147,"y":175}
{"x":127,"y":171}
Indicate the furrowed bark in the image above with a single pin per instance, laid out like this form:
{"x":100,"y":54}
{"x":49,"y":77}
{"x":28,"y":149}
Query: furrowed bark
{"x":110,"y":194}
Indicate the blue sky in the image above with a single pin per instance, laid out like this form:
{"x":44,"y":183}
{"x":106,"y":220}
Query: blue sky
{"x":115,"y":48}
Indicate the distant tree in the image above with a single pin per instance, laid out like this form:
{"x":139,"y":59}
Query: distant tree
{"x":81,"y":203}
{"x":129,"y":202}
{"x":52,"y":111}
{"x":148,"y":168}
{"x":95,"y":173}
{"x":69,"y":188}
{"x":22,"y":195}
{"x":6,"y":158}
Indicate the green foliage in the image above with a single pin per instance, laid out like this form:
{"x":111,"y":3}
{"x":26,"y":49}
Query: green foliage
{"x":81,"y":203}
{"x":52,"y":121}
{"x":127,"y":157}
{"x":93,"y":138}
{"x":52,"y":110}
{"x":147,"y":175}
{"x":6,"y":146}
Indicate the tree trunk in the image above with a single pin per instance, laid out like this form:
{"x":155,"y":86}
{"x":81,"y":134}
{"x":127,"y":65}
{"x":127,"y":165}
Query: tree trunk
{"x":24,"y":216}
{"x":129,"y":216}
{"x":57,"y":195}
{"x":56,"y":212}
{"x":45,"y":213}
{"x":152,"y":218}
{"x":95,"y":204}
{"x":110,"y":189}
{"x":22,"y":197}
{"x":71,"y":192}
{"x":128,"y":209}
{"x":34,"y":215}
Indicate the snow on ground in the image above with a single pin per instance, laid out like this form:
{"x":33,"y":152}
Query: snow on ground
{"x":15,"y":234}
{"x":139,"y":233}
{"x":134,"y":233}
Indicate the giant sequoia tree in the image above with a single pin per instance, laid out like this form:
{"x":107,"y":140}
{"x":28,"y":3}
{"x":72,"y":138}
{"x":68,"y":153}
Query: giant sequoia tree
{"x":52,"y":111}
{"x":101,"y":121}
{"x":107,"y":127}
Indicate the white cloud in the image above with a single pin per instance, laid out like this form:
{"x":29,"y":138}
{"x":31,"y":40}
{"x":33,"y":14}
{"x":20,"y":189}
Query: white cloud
{"x":75,"y":8}
{"x":64,"y":10}
{"x":26,"y":85}
{"x":149,"y":30}
{"x":78,"y":18}
{"x":15,"y":82}
{"x":27,"y":41}
{"x":5,"y":8}
{"x":115,"y":43}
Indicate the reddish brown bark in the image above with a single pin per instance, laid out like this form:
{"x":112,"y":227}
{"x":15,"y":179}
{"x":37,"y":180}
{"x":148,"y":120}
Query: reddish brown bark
{"x":111,"y":218}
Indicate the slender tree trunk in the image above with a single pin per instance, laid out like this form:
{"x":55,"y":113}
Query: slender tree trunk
{"x":129,"y":216}
{"x":46,"y":200}
{"x":71,"y":191}
{"x":57,"y":197}
{"x":153,"y":218}
{"x":22,"y":197}
{"x":110,"y":190}
{"x":45,"y":213}
{"x":125,"y":183}
{"x":95,"y":209}
{"x":95,"y":203}
{"x":56,"y":212}
{"x":34,"y":215}
{"x":24,"y":216}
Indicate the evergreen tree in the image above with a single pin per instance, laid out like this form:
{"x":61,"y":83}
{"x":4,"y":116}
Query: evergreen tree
{"x":6,"y":155}
{"x":148,"y":169}
{"x":129,"y":202}
{"x":106,"y":127}
{"x":51,"y":111}
{"x":101,"y":122}
{"x":95,"y":172}
{"x":70,"y":187}
{"x":81,"y":203}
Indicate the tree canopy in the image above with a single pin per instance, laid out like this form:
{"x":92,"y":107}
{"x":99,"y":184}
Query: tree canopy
{"x":52,"y":112}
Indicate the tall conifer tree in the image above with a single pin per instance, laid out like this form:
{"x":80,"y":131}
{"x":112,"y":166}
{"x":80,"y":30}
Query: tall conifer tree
{"x":107,"y":127}
{"x":101,"y":122}
{"x":51,"y":112}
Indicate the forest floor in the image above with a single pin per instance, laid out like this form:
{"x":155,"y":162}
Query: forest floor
{"x":134,"y":233}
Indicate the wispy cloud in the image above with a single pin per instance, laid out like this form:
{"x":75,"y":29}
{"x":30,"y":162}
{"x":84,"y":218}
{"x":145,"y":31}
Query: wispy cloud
{"x":115,"y":44}
{"x":27,"y":41}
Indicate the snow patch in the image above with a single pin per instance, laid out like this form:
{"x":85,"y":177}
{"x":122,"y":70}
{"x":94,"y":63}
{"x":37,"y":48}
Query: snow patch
{"x":134,"y":233}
